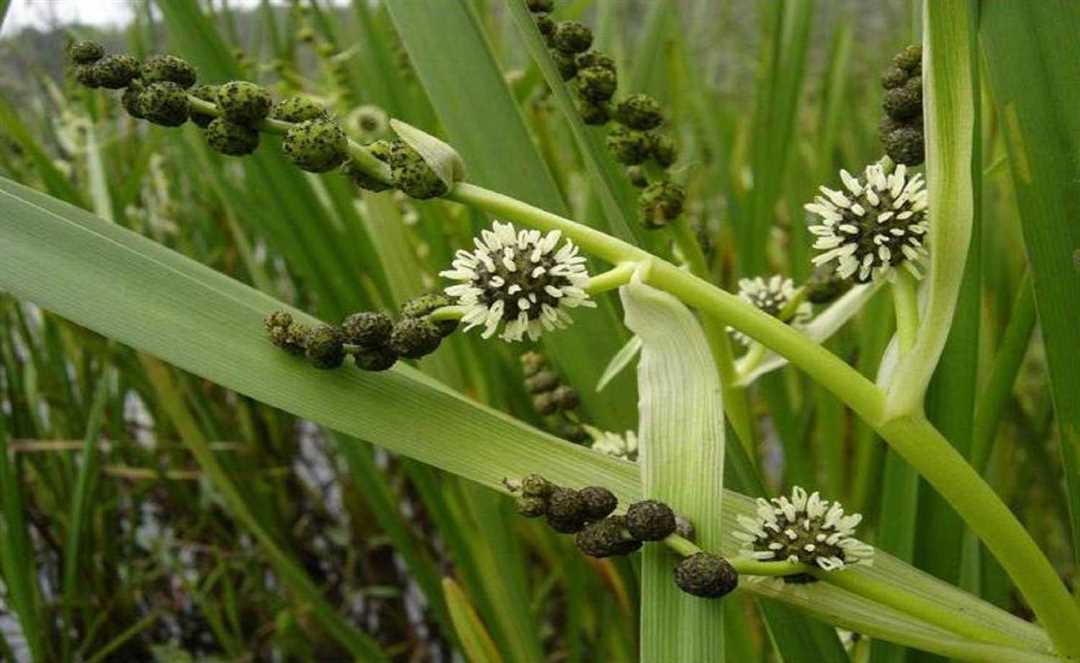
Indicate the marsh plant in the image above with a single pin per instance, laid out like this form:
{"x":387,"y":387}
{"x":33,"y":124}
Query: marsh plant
{"x":670,"y":447}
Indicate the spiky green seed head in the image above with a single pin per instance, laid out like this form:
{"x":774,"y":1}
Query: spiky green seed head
{"x":116,"y":71}
{"x":540,"y":6}
{"x":706,"y":575}
{"x":361,"y":178}
{"x":411,"y":173}
{"x":597,"y":84}
{"x":637,"y":176}
{"x":316,"y":145}
{"x":599,"y":502}
{"x":376,"y":359}
{"x":165,"y":104}
{"x":909,"y":59}
{"x":893,"y":77}
{"x":530,"y":507}
{"x":660,"y":203}
{"x":546,"y":26}
{"x":606,"y":538}
{"x":368,"y":329}
{"x":541,"y":382}
{"x":566,"y":398}
{"x":424,"y":305}
{"x":86,"y":75}
{"x":639,"y":111}
{"x":565,"y":511}
{"x":903,"y":103}
{"x":534,"y":485}
{"x":131,"y":100}
{"x":297,"y":109}
{"x":629,"y":146}
{"x":565,"y":63}
{"x":243,"y":102}
{"x":85,"y":51}
{"x":545,"y":404}
{"x":593,"y":114}
{"x":206,"y":93}
{"x":325,"y":347}
{"x":906,"y":145}
{"x":231,"y":139}
{"x":532,"y":363}
{"x":284,"y":332}
{"x":591,"y":59}
{"x":277,"y":319}
{"x":413,"y":338}
{"x":663,"y":148}
{"x":650,"y":520}
{"x":160,"y":68}
{"x":572,"y":37}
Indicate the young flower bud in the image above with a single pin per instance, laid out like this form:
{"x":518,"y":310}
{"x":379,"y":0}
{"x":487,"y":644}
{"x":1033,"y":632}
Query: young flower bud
{"x":541,"y":382}
{"x":205,"y":93}
{"x":545,"y":404}
{"x":530,"y":507}
{"x":909,"y":59}
{"x":639,"y":111}
{"x":165,"y":103}
{"x":116,"y":71}
{"x":85,"y":52}
{"x":565,"y":510}
{"x":629,"y":146}
{"x":160,"y":68}
{"x":424,"y":305}
{"x":905,"y":102}
{"x":572,"y":37}
{"x":243,"y":102}
{"x":324,"y":347}
{"x":540,"y":6}
{"x":368,"y":329}
{"x":650,"y":520}
{"x":411,"y":173}
{"x":660,"y":203}
{"x":599,"y":502}
{"x":413,"y":338}
{"x":231,"y":139}
{"x":597,"y":84}
{"x":606,"y":538}
{"x":297,"y":109}
{"x":906,"y":145}
{"x":131,"y":99}
{"x":706,"y":575}
{"x":566,"y":398}
{"x":86,"y":75}
{"x":595,"y":59}
{"x":663,"y":149}
{"x":893,"y":77}
{"x":546,"y":26}
{"x":637,"y":177}
{"x":566,"y":64}
{"x":593,"y":114}
{"x":532,"y":363}
{"x":285,"y":333}
{"x":316,"y":145}
{"x":534,"y":485}
{"x":376,"y":359}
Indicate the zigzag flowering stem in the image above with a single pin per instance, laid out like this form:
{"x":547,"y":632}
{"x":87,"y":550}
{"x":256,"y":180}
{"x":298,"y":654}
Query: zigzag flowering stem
{"x":911,"y":435}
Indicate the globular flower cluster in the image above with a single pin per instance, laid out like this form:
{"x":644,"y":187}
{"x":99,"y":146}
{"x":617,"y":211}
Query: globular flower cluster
{"x":901,"y":129}
{"x":551,"y":398}
{"x":520,"y":279}
{"x":636,"y":138}
{"x":877,"y":224}
{"x":804,"y":529}
{"x":373,"y":339}
{"x":623,"y":446}
{"x":589,"y":514}
{"x":772,"y":296}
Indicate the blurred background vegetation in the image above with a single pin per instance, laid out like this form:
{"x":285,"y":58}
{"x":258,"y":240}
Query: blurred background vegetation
{"x":114,"y":522}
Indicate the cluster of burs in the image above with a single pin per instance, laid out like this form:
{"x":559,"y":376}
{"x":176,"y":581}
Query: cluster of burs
{"x":635,"y":139}
{"x":373,"y":339}
{"x":589,"y":514}
{"x":901,"y":127}
{"x":552,"y":399}
{"x":163,"y":90}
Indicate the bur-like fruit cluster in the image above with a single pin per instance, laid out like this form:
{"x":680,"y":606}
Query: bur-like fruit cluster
{"x":901,"y":129}
{"x":552,"y":399}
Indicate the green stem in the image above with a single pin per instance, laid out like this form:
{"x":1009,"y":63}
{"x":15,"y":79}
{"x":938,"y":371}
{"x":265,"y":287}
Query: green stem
{"x":906,"y":303}
{"x":611,"y":279}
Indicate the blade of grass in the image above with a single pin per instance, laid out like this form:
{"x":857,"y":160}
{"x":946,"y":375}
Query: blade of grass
{"x":475,"y":640}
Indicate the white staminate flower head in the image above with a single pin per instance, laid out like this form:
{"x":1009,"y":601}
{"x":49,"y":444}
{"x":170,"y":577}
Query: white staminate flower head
{"x":876,"y":224}
{"x":613,"y":444}
{"x":771,"y":296}
{"x":519,"y":277}
{"x":803,"y":528}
